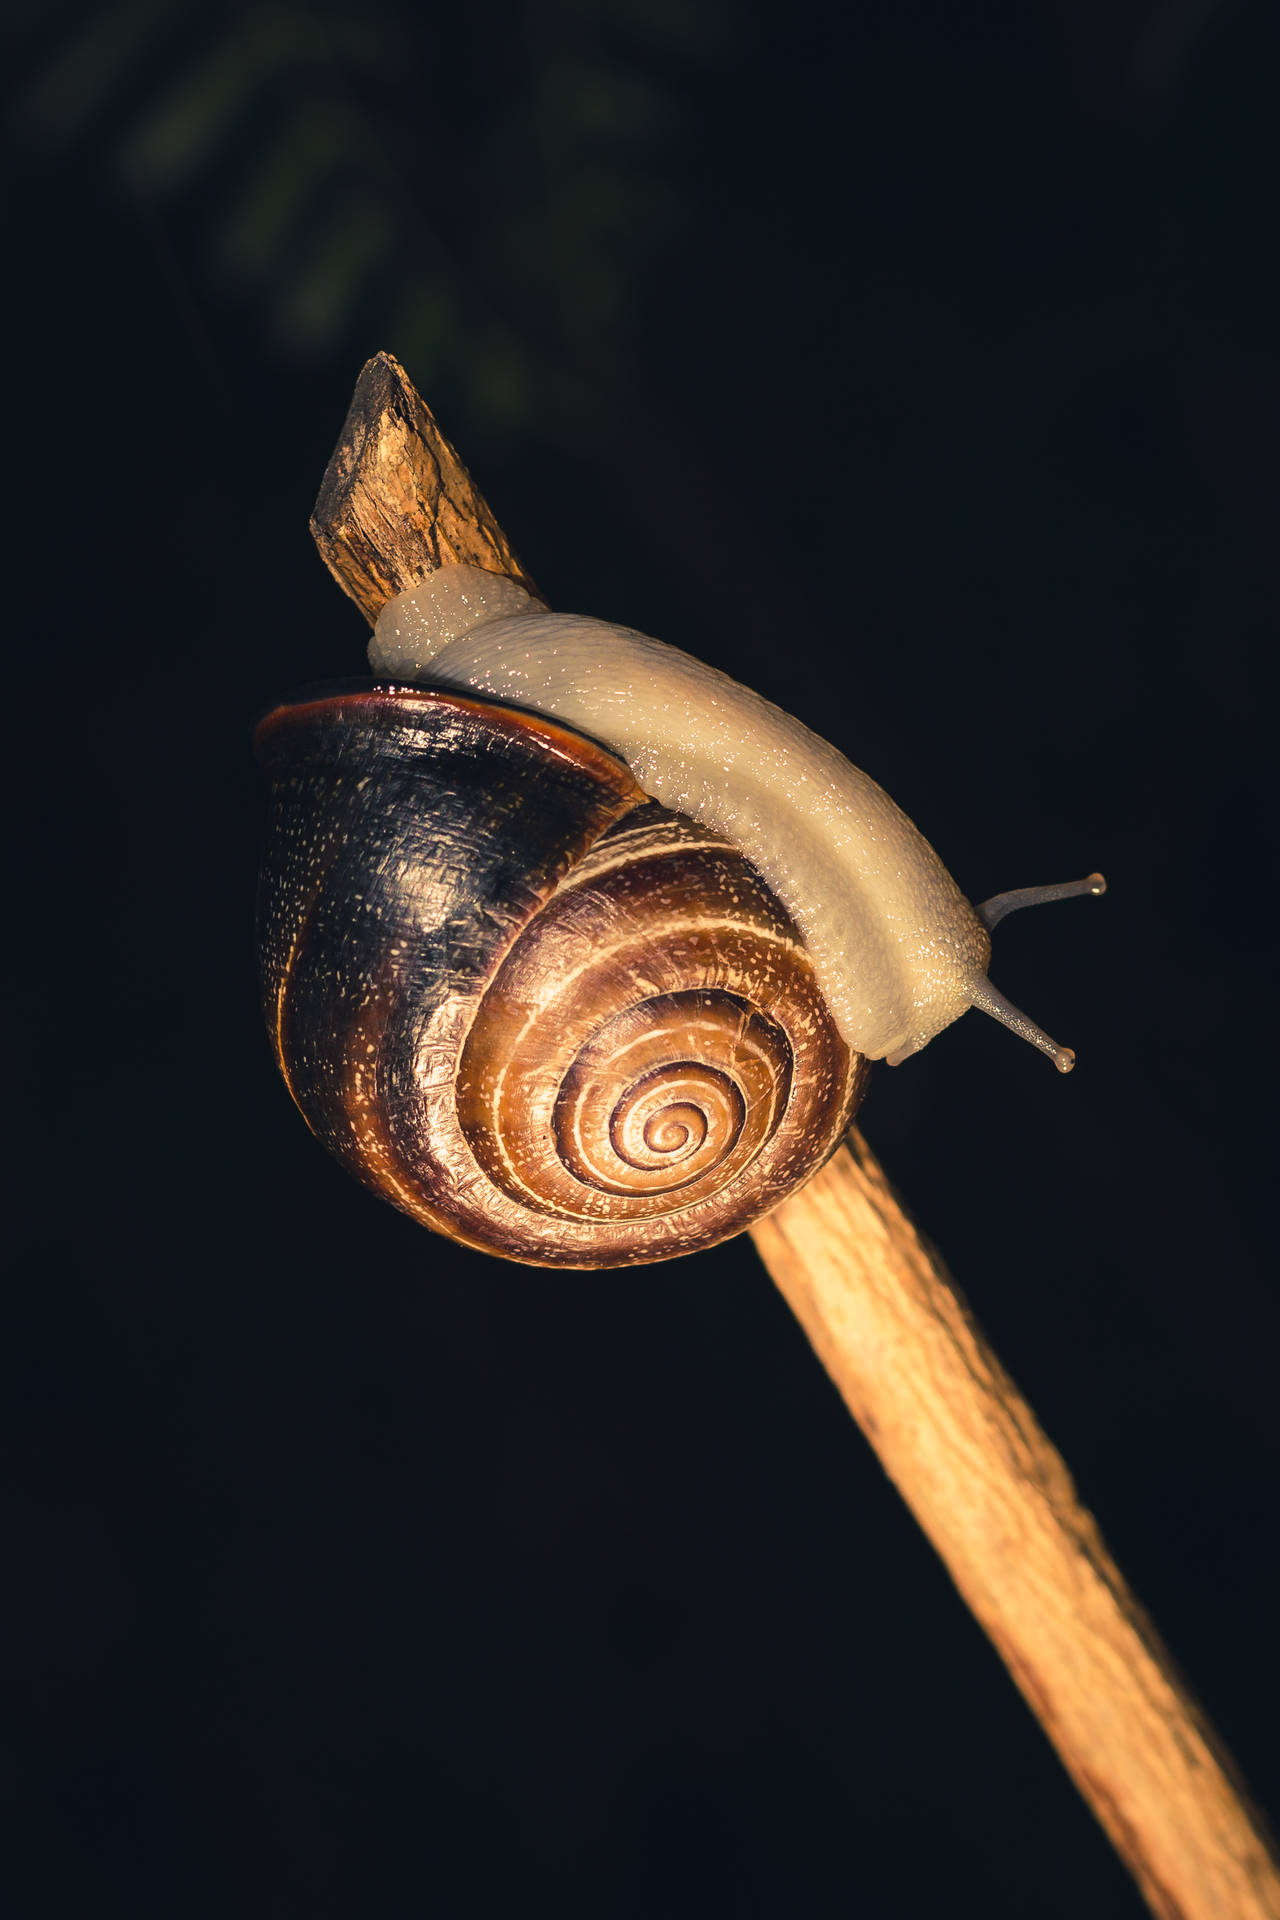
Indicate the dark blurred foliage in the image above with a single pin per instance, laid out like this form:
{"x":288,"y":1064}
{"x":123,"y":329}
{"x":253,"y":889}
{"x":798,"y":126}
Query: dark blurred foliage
{"x":916,"y":362}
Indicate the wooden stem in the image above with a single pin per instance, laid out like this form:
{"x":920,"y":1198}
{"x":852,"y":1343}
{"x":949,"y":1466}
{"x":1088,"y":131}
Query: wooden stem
{"x":949,"y":1426}
{"x":994,"y":1496}
{"x":396,"y":502}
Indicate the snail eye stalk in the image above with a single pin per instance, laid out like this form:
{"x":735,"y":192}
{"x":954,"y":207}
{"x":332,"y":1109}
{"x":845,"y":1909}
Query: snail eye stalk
{"x":992,"y":911}
{"x":989,"y":999}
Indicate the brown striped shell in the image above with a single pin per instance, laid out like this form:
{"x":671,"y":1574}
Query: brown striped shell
{"x":521,"y":1001}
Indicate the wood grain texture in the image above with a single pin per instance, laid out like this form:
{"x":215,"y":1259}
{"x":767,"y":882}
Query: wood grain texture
{"x":994,"y":1496}
{"x":396,"y":502}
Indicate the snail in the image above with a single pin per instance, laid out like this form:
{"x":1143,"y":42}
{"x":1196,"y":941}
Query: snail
{"x":578,"y":951}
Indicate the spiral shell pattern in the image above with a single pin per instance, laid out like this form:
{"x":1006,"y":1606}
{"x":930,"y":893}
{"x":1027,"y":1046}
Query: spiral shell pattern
{"x":527,"y":1005}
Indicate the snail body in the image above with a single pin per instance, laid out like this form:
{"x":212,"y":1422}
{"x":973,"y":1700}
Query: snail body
{"x":576,"y":950}
{"x":897,"y":947}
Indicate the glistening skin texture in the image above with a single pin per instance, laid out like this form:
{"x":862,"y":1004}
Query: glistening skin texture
{"x":896,"y":947}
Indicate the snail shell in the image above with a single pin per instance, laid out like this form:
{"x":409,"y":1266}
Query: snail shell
{"x":520,"y":1000}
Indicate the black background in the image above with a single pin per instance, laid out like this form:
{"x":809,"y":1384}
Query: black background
{"x":918,"y":366}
